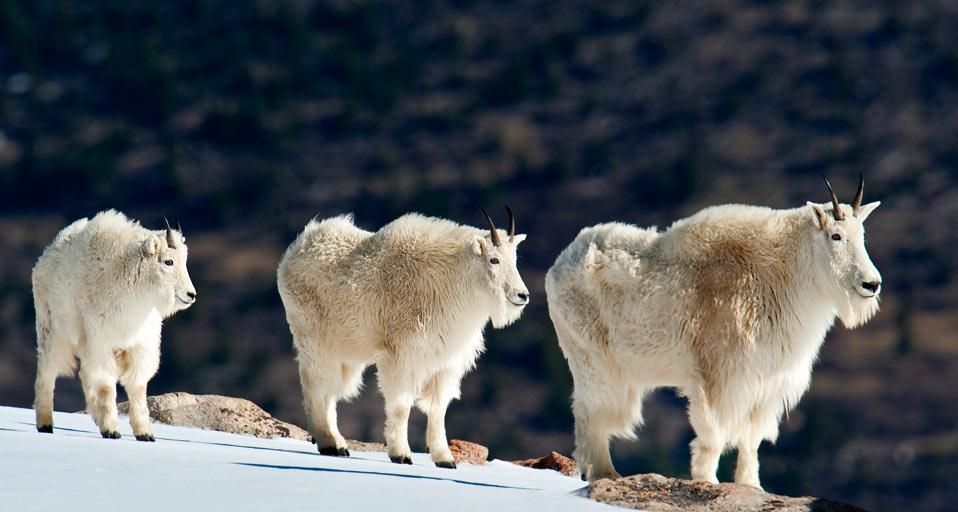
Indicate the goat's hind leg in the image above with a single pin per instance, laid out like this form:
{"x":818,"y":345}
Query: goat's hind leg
{"x":52,"y":361}
{"x":324,"y":383}
{"x":56,"y":356}
{"x":396,"y":389}
{"x":594,"y":427}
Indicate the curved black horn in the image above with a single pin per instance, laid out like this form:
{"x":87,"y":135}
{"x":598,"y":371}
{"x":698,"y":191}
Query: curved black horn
{"x":857,"y":203}
{"x":512,"y":223}
{"x":169,"y":233}
{"x":492,"y":229}
{"x":836,"y":210}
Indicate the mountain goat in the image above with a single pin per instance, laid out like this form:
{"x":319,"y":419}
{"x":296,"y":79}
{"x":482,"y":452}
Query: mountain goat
{"x":101,"y":291}
{"x":730,"y":306}
{"x":411,"y":298}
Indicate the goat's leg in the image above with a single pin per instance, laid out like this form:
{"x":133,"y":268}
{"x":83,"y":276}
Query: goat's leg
{"x":137,"y":366}
{"x":439,"y":390}
{"x":709,"y":441}
{"x":397,"y":389}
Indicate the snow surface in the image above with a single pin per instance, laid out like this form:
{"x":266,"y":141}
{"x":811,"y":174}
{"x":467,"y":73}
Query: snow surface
{"x":74,"y":469}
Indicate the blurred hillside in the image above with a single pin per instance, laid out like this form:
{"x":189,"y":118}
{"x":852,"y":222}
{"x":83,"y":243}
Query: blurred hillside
{"x":247,"y":118}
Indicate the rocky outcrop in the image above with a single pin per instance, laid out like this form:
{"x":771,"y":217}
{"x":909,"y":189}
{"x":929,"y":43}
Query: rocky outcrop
{"x":215,"y":412}
{"x":554,"y":461}
{"x":464,"y":451}
{"x":657,"y":493}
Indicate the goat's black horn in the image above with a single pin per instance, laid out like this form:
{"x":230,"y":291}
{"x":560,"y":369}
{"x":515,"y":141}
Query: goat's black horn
{"x":492,"y":229}
{"x":836,"y":209}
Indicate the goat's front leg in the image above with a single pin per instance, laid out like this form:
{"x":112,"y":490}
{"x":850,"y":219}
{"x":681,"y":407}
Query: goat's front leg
{"x":762,"y":423}
{"x":709,"y":440}
{"x":137,"y":366}
{"x":99,"y":389}
{"x":439,"y":390}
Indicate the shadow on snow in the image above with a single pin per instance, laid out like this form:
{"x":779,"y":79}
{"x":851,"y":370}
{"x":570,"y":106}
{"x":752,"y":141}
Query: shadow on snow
{"x":378,"y":473}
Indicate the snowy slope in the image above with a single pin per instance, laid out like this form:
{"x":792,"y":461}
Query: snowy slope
{"x":189,"y":469}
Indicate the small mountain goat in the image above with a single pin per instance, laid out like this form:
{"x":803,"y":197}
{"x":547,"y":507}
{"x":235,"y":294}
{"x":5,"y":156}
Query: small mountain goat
{"x":101,"y":291}
{"x":730,"y":306}
{"x":412,"y":299}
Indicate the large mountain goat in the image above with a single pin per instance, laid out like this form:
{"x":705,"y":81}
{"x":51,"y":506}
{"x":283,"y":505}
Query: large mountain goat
{"x":730,"y":306}
{"x":411,"y":298}
{"x":101,"y":291}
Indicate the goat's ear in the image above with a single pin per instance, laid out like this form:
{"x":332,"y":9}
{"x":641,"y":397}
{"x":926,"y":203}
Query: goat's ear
{"x":867,"y":210}
{"x":518,"y":239}
{"x":820,"y":214}
{"x":479,"y":245}
{"x":151,"y":246}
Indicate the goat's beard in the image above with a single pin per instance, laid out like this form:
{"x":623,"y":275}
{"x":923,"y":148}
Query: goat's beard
{"x":505,"y":313}
{"x":857,"y":310}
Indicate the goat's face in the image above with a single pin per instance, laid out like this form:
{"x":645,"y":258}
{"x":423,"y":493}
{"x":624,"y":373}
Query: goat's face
{"x":164,"y":255}
{"x":497,"y":268}
{"x":840,"y":243}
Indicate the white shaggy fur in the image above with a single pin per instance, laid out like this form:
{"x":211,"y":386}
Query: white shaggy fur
{"x":412,"y":299}
{"x":730,"y":306}
{"x":101,"y":291}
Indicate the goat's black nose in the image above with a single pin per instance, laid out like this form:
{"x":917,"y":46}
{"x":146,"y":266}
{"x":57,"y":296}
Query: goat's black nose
{"x":523,"y":296}
{"x":191,"y":295}
{"x":871,"y":286}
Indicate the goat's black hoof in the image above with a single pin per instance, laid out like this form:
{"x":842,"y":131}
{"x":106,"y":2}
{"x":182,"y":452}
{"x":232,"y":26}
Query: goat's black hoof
{"x":146,"y":437}
{"x":448,"y":465}
{"x":584,"y":479}
{"x":402,"y":459}
{"x":110,"y":435}
{"x":334,"y":452}
{"x":45,"y":429}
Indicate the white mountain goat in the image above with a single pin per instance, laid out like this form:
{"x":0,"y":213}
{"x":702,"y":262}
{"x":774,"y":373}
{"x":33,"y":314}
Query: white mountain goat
{"x":730,"y":306}
{"x":412,"y":299}
{"x":101,"y":291}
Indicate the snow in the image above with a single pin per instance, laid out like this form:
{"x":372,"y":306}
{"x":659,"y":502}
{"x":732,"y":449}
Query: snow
{"x":191,"y":469}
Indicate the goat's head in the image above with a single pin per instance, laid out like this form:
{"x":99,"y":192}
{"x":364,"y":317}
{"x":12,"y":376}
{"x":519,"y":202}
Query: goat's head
{"x":496,"y":256}
{"x":840,"y":244}
{"x":164,"y":257}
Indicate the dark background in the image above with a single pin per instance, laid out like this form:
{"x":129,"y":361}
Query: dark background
{"x":246,"y":118}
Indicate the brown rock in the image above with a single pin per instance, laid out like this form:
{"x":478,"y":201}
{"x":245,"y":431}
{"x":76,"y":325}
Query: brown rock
{"x":464,"y":451}
{"x":228,"y":414}
{"x":362,"y":446}
{"x":215,"y":412}
{"x":657,"y":493}
{"x":554,"y":461}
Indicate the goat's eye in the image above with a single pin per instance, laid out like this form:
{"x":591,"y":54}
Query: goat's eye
{"x":494,"y":261}
{"x":836,"y":237}
{"x":168,"y":263}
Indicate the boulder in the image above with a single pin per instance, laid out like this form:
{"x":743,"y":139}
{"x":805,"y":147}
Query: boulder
{"x":554,"y":461}
{"x":215,"y":412}
{"x":657,"y":493}
{"x":464,"y":451}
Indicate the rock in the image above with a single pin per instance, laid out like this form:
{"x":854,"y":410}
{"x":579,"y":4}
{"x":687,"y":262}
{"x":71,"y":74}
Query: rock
{"x":215,"y":412}
{"x":554,"y":461}
{"x":657,"y":493}
{"x":464,"y":451}
{"x":362,"y":446}
{"x":228,"y":414}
